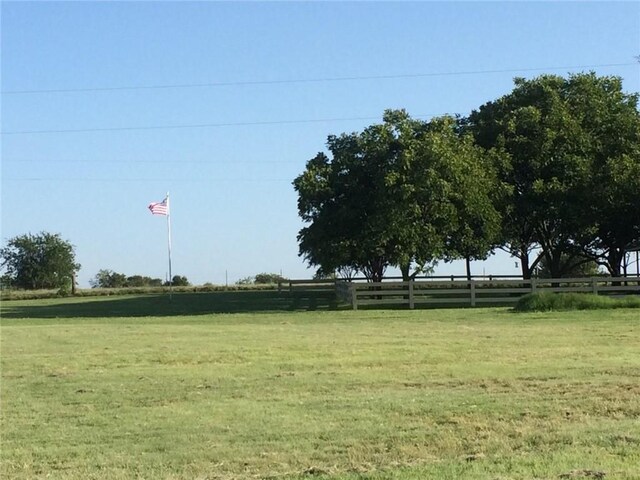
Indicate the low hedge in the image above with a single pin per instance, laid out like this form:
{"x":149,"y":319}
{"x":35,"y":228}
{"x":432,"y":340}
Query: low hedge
{"x":549,"y":301}
{"x":102,"y":292}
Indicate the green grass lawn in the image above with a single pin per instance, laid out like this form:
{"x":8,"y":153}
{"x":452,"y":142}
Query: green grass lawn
{"x":93,"y":388}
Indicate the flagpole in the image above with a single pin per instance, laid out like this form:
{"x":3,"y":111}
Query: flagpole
{"x":169,"y":242}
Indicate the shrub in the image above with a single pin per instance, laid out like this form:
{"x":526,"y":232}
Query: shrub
{"x":179,"y":281}
{"x":263,"y":278}
{"x":108,"y":279}
{"x":7,"y":295}
{"x":65,"y":288}
{"x":548,"y":301}
{"x":142,"y":281}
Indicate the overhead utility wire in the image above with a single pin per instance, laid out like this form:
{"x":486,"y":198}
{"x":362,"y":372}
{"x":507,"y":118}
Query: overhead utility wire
{"x":308,"y":80}
{"x":206,"y":125}
{"x":130,"y":161}
{"x":174,"y":180}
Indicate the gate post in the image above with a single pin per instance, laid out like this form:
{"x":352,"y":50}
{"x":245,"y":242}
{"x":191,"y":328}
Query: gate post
{"x":472,"y":285}
{"x":354,"y":295}
{"x":411,"y":299}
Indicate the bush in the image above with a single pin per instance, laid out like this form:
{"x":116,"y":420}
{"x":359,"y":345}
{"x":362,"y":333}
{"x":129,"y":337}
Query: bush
{"x":108,"y":279}
{"x":142,"y":281}
{"x":263,"y":278}
{"x":549,"y":301}
{"x":8,"y":295}
{"x":66,"y":288}
{"x":178,"y":281}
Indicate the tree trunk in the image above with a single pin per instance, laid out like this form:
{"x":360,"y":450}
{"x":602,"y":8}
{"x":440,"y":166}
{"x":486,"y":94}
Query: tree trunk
{"x":523,"y":256}
{"x":554,"y":268}
{"x":406,"y":276}
{"x":374,"y":269}
{"x":405,"y":269}
{"x":377,"y":270}
{"x":377,"y":275}
{"x":614,"y":259}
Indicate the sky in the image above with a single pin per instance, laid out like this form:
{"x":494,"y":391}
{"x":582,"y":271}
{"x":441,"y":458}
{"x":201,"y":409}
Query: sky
{"x":107,"y":106}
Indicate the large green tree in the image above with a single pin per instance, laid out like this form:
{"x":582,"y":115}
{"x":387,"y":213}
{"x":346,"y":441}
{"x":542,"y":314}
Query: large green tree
{"x":610,"y":200}
{"x":469,"y":191}
{"x":568,"y":145}
{"x":347,"y":204}
{"x":404,"y":193}
{"x":39,"y":261}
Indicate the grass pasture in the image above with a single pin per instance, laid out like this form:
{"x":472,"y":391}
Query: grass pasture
{"x":279,"y":388}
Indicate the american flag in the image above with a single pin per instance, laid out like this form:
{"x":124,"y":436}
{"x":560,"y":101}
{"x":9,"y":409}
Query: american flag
{"x":160,"y":208}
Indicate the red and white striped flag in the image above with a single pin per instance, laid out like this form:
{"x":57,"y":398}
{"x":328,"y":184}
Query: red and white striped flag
{"x":160,"y":208}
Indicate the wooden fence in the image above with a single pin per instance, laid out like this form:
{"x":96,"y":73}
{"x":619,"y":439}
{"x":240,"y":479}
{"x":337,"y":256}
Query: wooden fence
{"x":299,"y":285}
{"x":474,"y":292}
{"x":306,"y":285}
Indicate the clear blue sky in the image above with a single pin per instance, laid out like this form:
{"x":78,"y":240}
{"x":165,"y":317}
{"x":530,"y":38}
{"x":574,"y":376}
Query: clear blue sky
{"x":233,"y":206}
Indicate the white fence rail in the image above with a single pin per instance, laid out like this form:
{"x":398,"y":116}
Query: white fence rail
{"x":474,"y":292}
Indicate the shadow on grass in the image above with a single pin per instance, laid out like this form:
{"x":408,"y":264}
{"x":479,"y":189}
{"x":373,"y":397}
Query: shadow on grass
{"x":180,"y":304}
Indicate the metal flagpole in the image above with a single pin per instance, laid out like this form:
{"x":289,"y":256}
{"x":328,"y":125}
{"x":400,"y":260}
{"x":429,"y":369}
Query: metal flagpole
{"x":169,"y":239}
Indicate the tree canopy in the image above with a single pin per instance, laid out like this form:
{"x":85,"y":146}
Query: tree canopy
{"x":109,"y":279}
{"x":570,"y":155}
{"x":404,"y":193}
{"x":551,"y":167}
{"x":39,"y":261}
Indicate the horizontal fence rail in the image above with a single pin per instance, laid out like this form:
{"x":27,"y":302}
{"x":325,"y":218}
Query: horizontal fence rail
{"x":474,"y":292}
{"x":305,"y":285}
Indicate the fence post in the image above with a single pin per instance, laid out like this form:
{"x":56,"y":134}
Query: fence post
{"x":594,"y":285}
{"x":354,"y":295}
{"x":533,"y":285}
{"x":472,"y":284}
{"x":411,"y":300}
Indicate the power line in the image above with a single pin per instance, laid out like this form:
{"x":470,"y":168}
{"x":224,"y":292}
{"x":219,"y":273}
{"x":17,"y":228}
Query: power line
{"x":163,"y":180}
{"x":134,"y":161}
{"x":206,"y":125}
{"x":310,"y":80}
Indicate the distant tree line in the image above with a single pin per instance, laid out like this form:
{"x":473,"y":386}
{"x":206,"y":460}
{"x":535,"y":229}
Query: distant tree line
{"x":111,"y":279}
{"x":261,"y":279}
{"x":552,"y":168}
{"x":47,"y":261}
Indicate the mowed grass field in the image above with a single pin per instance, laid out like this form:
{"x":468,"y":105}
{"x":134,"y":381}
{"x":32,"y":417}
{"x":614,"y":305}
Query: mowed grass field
{"x":276,"y":387}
